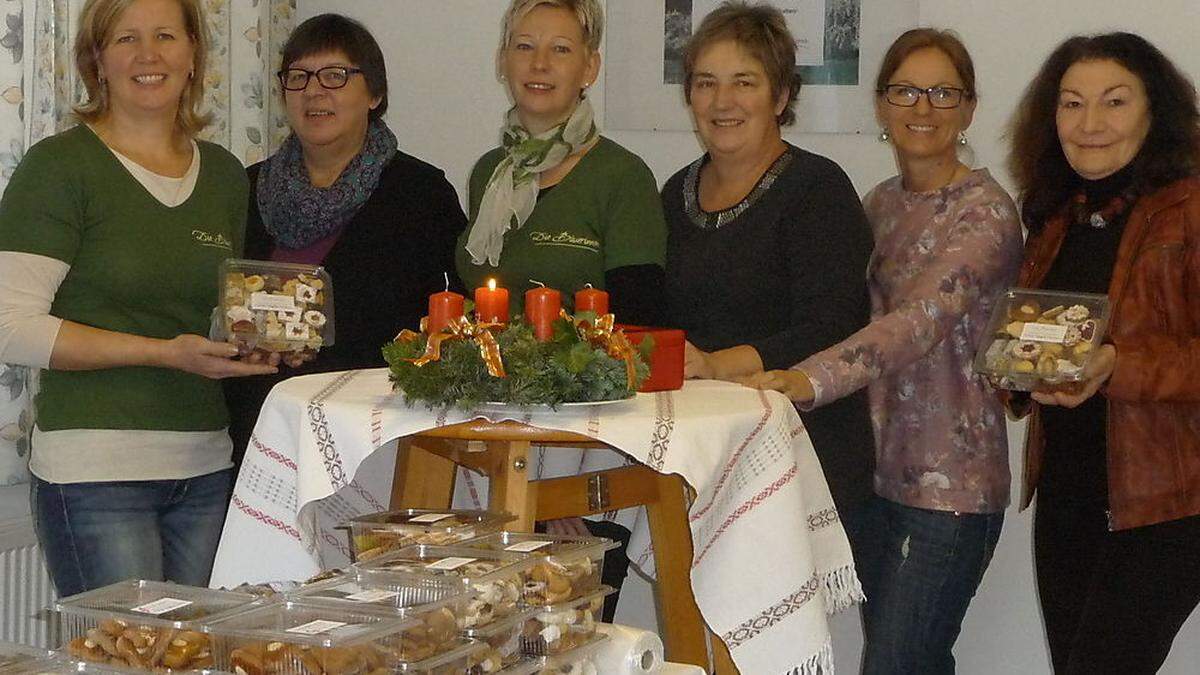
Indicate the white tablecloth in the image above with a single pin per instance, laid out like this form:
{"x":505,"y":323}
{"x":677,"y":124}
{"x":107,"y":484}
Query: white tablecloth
{"x":771,"y":557}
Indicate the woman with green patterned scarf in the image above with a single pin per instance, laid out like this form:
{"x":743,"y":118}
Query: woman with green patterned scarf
{"x":561,"y":204}
{"x":557,"y":202}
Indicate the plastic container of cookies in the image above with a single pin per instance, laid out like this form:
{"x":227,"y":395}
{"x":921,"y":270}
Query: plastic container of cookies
{"x":378,"y":533}
{"x":497,"y":577}
{"x":502,"y":643}
{"x":59,"y":665}
{"x":296,"y":638}
{"x":459,"y":660}
{"x":275,"y":308}
{"x":568,"y":567}
{"x":439,"y":606}
{"x":145,"y":625}
{"x":557,"y":629}
{"x":1039,"y":339}
{"x":579,"y":660}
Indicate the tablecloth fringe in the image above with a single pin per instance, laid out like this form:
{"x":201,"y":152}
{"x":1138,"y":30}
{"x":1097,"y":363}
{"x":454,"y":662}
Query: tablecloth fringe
{"x":820,"y":663}
{"x":841,"y":589}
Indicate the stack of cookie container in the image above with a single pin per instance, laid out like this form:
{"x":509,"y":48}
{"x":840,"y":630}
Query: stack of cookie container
{"x":146,"y":625}
{"x":297,"y":638}
{"x":378,"y":533}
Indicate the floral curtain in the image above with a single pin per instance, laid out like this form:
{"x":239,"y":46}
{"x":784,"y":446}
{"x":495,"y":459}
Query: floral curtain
{"x":38,"y":86}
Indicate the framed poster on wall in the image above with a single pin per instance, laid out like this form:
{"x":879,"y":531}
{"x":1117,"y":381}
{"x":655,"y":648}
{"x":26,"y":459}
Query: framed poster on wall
{"x":839,"y":44}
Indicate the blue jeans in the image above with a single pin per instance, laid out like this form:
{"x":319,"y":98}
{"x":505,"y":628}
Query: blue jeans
{"x":95,"y":534}
{"x":928,"y":566}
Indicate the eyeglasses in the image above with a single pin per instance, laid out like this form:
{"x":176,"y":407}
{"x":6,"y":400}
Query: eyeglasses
{"x":907,"y":96}
{"x":330,"y":77}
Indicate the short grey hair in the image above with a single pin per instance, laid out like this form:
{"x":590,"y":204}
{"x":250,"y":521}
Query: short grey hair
{"x":589,"y":13}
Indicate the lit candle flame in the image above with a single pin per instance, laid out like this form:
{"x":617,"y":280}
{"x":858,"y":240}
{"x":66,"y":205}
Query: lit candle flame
{"x":491,"y":284}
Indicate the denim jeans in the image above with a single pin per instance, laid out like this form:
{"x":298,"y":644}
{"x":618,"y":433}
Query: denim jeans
{"x":929,"y":565}
{"x":94,"y":534}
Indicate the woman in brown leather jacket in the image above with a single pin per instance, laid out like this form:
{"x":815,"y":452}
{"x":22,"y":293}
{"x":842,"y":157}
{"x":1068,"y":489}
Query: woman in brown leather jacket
{"x":1106,"y":153}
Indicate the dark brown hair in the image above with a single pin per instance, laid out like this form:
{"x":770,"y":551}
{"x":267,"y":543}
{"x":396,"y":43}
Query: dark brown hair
{"x":1171,"y":150}
{"x":762,"y":31}
{"x":334,"y":32}
{"x":915,"y":40}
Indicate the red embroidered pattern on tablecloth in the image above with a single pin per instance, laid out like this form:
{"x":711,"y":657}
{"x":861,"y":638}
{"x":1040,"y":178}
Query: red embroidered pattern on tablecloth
{"x":265,"y":519}
{"x":273,"y":454}
{"x":773,"y":615}
{"x":762,"y":423}
{"x":746,"y":508}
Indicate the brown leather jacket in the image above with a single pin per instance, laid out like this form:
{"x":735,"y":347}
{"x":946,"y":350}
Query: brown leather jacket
{"x":1154,"y":392}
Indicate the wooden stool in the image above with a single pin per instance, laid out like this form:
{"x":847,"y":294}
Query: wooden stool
{"x":425,"y":468}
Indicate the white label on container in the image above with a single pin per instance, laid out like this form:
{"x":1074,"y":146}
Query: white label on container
{"x":430,"y":517}
{"x":162,"y":606}
{"x":377,"y":595}
{"x":316,"y":627}
{"x":448,"y":564}
{"x":527,"y":546}
{"x":1044,"y":332}
{"x":271,"y":302}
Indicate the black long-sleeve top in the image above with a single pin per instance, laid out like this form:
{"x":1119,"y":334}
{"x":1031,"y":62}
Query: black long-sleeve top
{"x":784,"y":272}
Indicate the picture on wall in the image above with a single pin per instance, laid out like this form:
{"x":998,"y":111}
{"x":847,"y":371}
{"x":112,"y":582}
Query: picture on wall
{"x":826,"y":33}
{"x":838,"y":45}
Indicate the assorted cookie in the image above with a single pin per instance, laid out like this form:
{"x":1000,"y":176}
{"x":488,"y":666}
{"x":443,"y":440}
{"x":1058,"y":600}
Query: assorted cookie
{"x":1040,"y":338}
{"x":275,"y":308}
{"x":118,"y":642}
{"x":560,"y":628}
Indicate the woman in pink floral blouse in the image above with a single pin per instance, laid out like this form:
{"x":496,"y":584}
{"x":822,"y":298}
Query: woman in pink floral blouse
{"x":947,"y":241}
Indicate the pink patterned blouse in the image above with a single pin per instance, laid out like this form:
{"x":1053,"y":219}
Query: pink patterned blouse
{"x":940,"y":260}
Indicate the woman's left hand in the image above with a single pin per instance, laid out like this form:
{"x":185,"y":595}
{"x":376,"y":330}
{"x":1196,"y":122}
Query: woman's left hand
{"x":1095,"y":374}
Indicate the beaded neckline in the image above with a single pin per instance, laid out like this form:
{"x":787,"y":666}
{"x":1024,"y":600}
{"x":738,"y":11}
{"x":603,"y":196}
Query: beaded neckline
{"x":718,"y":219}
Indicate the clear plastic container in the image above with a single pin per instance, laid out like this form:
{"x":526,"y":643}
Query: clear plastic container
{"x":502,"y":643}
{"x":580,"y":660}
{"x":457,"y":661}
{"x":60,"y":665}
{"x":373,"y":535}
{"x":146,"y":625}
{"x":557,"y":629}
{"x":529,"y":665}
{"x":275,"y":308}
{"x":498,"y":577}
{"x":11,"y":653}
{"x":568,"y":567}
{"x":1040,"y":339}
{"x":293,"y":638}
{"x":439,"y":606}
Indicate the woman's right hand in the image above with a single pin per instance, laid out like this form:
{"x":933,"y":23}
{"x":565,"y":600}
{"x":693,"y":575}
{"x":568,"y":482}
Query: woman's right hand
{"x":214,"y":360}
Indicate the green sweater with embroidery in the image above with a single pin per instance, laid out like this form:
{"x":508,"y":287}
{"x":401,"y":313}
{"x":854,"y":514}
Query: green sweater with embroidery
{"x":605,"y":214}
{"x":136,"y":266}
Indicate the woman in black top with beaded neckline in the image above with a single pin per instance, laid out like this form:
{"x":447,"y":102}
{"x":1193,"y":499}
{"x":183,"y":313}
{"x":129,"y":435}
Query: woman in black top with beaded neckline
{"x":767,"y":244}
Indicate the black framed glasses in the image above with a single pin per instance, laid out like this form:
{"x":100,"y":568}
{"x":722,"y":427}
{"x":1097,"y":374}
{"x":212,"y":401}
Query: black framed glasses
{"x":330,"y":77}
{"x":906,"y":95}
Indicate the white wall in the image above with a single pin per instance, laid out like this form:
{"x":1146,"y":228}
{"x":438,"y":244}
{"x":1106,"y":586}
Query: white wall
{"x":446,"y":107}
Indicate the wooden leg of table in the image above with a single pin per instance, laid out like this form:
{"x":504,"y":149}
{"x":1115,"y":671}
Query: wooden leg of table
{"x":422,"y":479}
{"x":684,"y":632}
{"x":510,"y":490}
{"x":722,"y":661}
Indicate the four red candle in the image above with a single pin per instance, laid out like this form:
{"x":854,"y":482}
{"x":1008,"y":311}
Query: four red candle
{"x":588,"y":299}
{"x":491,"y":303}
{"x":444,"y":307}
{"x":542,"y":307}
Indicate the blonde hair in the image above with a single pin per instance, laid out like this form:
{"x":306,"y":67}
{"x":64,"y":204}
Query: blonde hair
{"x":98,"y":20}
{"x":588,"y":12}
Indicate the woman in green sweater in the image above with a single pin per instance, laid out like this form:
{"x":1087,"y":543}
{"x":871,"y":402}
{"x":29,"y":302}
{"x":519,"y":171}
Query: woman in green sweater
{"x":110,"y":238}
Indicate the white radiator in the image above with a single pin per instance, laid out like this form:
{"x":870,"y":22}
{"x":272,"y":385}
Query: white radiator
{"x":25,"y":589}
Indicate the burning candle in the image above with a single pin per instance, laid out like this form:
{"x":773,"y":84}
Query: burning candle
{"x":491,"y":303}
{"x":444,"y":307}
{"x":589,"y":299}
{"x":542,"y":307}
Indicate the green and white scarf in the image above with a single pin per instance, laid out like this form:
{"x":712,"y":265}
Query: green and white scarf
{"x":512,"y":190}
